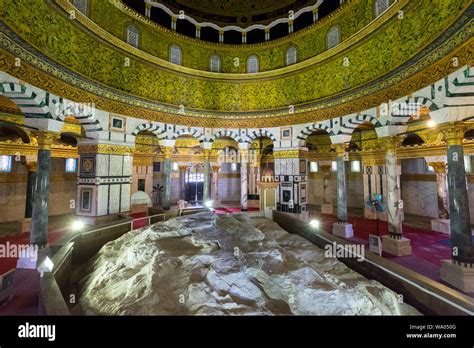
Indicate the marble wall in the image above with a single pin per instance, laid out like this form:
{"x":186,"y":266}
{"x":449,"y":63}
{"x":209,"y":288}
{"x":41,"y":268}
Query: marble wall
{"x":354,"y":187}
{"x":13,"y":191}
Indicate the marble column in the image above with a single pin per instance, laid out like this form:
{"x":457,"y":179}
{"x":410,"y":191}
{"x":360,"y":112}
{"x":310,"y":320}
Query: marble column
{"x":207,"y":169}
{"x":39,"y":222}
{"x":458,"y":271}
{"x":215,"y":182}
{"x":243,"y":186}
{"x":394,"y":243}
{"x":167,"y":151}
{"x":30,"y":188}
{"x":244,"y":159}
{"x":342,"y":228}
{"x":441,"y":224}
{"x":182,"y":181}
{"x":326,"y":206}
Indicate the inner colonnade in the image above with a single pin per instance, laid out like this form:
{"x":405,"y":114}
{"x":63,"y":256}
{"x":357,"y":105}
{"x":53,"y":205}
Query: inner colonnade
{"x":361,"y":157}
{"x":353,"y":120}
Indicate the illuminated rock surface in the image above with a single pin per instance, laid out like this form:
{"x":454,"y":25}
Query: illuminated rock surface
{"x":217,"y":265}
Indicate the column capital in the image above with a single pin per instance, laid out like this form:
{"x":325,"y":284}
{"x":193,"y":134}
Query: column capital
{"x":325,"y":169}
{"x":167,"y":151}
{"x":183,"y":167}
{"x":454,"y":133}
{"x":439,"y":167}
{"x":207,"y":153}
{"x":46,"y":139}
{"x":31,"y":166}
{"x":390,"y":144}
{"x":340,"y":149}
{"x":216,"y":168}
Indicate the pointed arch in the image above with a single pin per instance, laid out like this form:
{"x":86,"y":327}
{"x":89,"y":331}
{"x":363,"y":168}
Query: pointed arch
{"x":227,"y":133}
{"x":29,"y":102}
{"x":308,"y":130}
{"x":153,"y":128}
{"x":260,"y":133}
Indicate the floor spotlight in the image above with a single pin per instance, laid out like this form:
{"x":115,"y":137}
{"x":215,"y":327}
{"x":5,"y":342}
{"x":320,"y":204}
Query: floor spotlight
{"x":314,"y":224}
{"x":77,"y":225}
{"x":209,"y":204}
{"x":431,"y":123}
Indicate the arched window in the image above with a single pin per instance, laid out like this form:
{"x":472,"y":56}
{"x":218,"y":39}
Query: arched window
{"x":291,"y":55}
{"x":176,"y":54}
{"x":333,"y":37}
{"x":252,"y":64}
{"x":133,"y":36}
{"x":381,"y":6}
{"x":215,"y":63}
{"x":81,"y":5}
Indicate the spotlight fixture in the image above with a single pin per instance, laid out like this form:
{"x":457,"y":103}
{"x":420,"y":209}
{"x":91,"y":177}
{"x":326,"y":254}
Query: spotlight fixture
{"x":77,"y":225}
{"x":209,"y":204}
{"x":314,"y":224}
{"x":431,"y":123}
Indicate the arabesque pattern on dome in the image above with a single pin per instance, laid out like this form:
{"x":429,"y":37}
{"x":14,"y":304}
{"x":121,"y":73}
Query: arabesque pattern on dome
{"x":217,"y":97}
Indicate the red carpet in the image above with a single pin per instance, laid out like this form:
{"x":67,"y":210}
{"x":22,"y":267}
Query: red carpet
{"x":427,"y":245}
{"x":7,"y":264}
{"x":139,"y":223}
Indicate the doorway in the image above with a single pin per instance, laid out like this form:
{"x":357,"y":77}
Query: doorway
{"x":195,"y":187}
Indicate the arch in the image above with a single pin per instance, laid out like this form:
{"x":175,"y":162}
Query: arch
{"x":308,"y":130}
{"x":333,"y":36}
{"x":380,"y":6}
{"x":227,"y":133}
{"x":252,"y":64}
{"x":132,"y":35}
{"x":259,"y":134}
{"x":81,"y":112}
{"x":291,"y":55}
{"x":422,"y":101}
{"x":154,"y":128}
{"x":175,"y":54}
{"x":30,"y":104}
{"x":215,"y":63}
{"x":193,"y":132}
{"x":352,"y":123}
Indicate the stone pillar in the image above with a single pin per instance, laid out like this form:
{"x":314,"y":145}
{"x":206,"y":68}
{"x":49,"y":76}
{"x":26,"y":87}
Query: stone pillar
{"x":182,"y":181}
{"x":167,"y":151}
{"x":244,"y":153}
{"x":291,"y":171}
{"x":459,"y":271}
{"x":39,"y":222}
{"x":326,"y":206}
{"x":104,"y":180}
{"x":30,"y":188}
{"x":394,"y":243}
{"x":441,"y":224}
{"x":207,"y":170}
{"x":342,"y":228}
{"x":215,"y":182}
{"x":315,"y":14}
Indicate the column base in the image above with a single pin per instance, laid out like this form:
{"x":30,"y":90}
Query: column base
{"x":327,"y":209}
{"x":23,"y":226}
{"x":441,"y":225}
{"x":397,"y":247}
{"x":461,"y":277}
{"x":31,"y":258}
{"x":342,"y":230}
